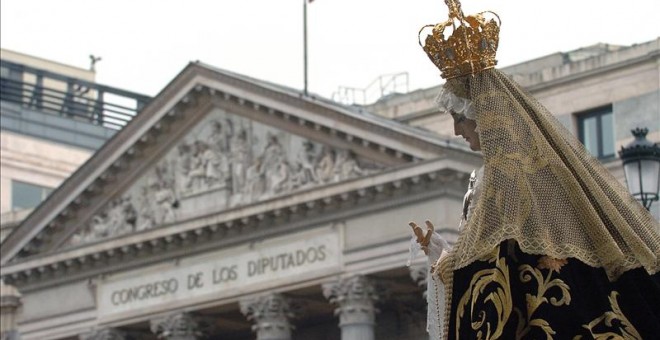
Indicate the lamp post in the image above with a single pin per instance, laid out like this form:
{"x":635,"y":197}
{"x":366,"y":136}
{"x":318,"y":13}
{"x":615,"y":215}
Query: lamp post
{"x":641,"y":165}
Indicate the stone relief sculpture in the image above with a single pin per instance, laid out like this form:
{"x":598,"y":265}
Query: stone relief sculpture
{"x":220,"y":136}
{"x":163,"y":197}
{"x":325,"y":166}
{"x":255,"y":180}
{"x":119,"y":218}
{"x":346,"y":166}
{"x":146,"y":217}
{"x":223,"y":162}
{"x":240,"y":160}
{"x":304,"y":170}
{"x":182,"y":164}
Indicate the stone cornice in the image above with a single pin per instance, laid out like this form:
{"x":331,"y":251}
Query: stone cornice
{"x":330,"y":113}
{"x":297,"y":210}
{"x":562,"y":74}
{"x":390,"y":138}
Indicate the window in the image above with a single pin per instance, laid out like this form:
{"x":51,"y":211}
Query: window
{"x":26,"y":195}
{"x":596,"y":131}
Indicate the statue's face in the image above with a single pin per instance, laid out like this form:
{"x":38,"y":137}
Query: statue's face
{"x":467,"y":128}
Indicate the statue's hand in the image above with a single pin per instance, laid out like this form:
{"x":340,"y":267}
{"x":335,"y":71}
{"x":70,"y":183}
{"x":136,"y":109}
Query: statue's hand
{"x":432,"y":243}
{"x":423,"y":239}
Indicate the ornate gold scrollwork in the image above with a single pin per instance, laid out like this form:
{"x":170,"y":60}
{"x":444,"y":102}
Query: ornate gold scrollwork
{"x":543,"y":284}
{"x":625,"y":331}
{"x":500,"y":298}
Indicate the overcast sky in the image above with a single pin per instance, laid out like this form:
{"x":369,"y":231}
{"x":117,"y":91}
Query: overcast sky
{"x":144,"y":44}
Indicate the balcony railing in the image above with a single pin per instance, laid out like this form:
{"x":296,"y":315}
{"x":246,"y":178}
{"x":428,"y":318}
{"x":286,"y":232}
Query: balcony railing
{"x":54,"y":93}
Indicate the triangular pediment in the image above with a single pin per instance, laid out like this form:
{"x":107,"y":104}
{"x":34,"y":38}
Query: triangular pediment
{"x":214,"y":141}
{"x":223,"y":162}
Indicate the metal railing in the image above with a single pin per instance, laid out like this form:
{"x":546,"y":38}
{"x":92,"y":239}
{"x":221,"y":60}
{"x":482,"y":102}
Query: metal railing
{"x":378,"y":88}
{"x":78,"y":99}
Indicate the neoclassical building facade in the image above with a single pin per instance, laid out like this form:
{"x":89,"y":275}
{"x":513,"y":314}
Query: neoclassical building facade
{"x":231,"y":208}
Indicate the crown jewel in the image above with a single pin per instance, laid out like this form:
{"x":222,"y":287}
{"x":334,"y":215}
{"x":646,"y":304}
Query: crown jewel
{"x":469,"y":49}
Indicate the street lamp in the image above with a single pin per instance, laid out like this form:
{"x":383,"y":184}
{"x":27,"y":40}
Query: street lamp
{"x":641,"y":165}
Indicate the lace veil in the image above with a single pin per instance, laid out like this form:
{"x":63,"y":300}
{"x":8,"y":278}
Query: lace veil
{"x":542,"y":188}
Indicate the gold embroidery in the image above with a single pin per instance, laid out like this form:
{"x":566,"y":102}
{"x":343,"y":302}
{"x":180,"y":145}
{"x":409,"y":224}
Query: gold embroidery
{"x":500,"y":298}
{"x":544,"y":284}
{"x":625,"y":331}
{"x":547,"y":262}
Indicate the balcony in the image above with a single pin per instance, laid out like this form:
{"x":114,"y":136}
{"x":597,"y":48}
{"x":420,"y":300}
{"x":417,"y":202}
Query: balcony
{"x":76,"y":99}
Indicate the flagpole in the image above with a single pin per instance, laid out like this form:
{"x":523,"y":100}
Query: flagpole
{"x":305,"y":44}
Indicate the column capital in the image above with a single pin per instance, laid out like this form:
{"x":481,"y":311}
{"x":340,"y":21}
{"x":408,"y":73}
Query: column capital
{"x":355,"y":297}
{"x":10,"y":300}
{"x":9,"y":296}
{"x":271,"y":315}
{"x":104,"y":334}
{"x":180,"y":326}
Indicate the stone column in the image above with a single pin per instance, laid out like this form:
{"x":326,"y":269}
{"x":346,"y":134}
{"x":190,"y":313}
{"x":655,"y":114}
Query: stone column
{"x":355,"y":298}
{"x":271,"y":315}
{"x":104,"y":334}
{"x":10,"y":300}
{"x":180,"y":326}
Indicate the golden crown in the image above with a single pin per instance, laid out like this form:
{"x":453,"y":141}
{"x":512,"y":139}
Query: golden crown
{"x":470,"y":48}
